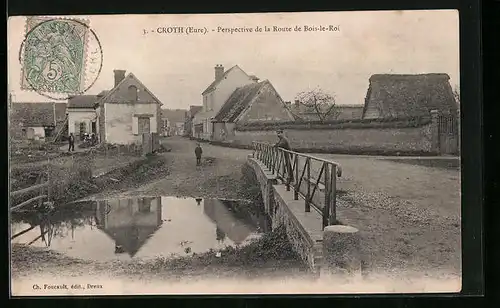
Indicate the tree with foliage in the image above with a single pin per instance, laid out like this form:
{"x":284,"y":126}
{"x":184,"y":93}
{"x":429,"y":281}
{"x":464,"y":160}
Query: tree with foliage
{"x":319,"y":102}
{"x":456,"y":94}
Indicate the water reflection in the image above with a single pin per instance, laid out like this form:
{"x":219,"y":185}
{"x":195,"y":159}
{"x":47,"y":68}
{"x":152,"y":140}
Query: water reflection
{"x":129,"y":222}
{"x":144,"y":227}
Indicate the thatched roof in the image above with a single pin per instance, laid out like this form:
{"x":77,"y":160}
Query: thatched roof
{"x":409,"y":95}
{"x":238,"y":101}
{"x":37,"y":114}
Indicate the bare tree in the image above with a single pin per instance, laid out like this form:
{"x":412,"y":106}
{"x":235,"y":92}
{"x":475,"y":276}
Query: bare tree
{"x":319,"y":102}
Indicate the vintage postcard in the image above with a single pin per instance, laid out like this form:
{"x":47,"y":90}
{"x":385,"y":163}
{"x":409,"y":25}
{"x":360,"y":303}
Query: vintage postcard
{"x":269,"y":153}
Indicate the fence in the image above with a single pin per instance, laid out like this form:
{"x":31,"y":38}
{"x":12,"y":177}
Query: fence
{"x":44,"y":193}
{"x":150,"y":143}
{"x":314,"y":179}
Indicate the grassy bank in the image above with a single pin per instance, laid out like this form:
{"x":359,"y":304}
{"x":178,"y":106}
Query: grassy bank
{"x":268,"y":255}
{"x":74,"y":180}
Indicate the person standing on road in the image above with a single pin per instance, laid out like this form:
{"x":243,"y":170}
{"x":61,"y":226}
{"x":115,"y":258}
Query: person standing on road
{"x":283,"y":143}
{"x":198,"y":151}
{"x":71,"y":142}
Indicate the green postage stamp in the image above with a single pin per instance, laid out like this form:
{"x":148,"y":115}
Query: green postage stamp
{"x":54,"y":54}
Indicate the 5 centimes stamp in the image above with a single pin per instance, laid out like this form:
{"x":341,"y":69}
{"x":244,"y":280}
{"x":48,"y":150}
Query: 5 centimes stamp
{"x":59,"y":57}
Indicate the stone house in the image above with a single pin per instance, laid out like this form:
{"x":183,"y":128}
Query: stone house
{"x":188,"y":121}
{"x":82,"y":117}
{"x":39,"y":120}
{"x":400,"y":96}
{"x":173,"y":121}
{"x":216,"y":94}
{"x":257,"y":102}
{"x":127,"y":111}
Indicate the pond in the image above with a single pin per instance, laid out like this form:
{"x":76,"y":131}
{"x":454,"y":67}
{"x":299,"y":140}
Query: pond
{"x":140,"y":227}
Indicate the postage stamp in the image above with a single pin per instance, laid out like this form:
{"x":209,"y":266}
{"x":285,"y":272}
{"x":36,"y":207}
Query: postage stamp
{"x":54,"y":55}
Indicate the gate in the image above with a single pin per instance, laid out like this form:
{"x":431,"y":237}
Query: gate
{"x":448,"y":134}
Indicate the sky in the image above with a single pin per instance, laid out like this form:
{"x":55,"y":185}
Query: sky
{"x":178,"y":67}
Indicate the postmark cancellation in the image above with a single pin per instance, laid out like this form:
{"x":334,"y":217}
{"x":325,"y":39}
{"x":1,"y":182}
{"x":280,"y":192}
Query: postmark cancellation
{"x":53,"y":56}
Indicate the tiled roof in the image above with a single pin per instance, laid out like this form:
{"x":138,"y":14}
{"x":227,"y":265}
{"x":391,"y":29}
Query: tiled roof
{"x":238,"y":101}
{"x":37,"y":114}
{"x":82,"y":101}
{"x":120,"y":93}
{"x":410,"y":95}
{"x":174,"y":115}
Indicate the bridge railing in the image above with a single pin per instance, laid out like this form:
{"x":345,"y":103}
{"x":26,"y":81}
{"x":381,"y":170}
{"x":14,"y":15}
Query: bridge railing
{"x":313,"y":178}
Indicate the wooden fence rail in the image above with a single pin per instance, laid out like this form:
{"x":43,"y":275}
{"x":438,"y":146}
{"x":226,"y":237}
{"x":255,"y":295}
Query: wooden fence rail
{"x":44,"y":188}
{"x":317,"y":188}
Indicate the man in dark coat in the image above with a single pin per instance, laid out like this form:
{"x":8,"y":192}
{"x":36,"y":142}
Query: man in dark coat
{"x":71,"y":140}
{"x":198,"y":151}
{"x":283,"y":143}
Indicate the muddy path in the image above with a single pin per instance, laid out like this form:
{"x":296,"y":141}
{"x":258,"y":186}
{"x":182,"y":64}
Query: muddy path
{"x":219,"y":176}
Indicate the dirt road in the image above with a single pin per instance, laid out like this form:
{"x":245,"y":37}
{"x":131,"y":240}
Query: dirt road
{"x":219,"y":176}
{"x":408,"y":214}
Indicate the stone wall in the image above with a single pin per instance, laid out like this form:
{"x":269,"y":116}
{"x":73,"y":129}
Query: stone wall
{"x":309,"y":249}
{"x":354,"y":138}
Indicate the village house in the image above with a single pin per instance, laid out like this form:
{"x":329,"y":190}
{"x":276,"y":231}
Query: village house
{"x":129,"y":223}
{"x":173,"y":121}
{"x":127,"y":111}
{"x":400,"y":96}
{"x":188,"y":121}
{"x":339,"y":112}
{"x":216,"y":94}
{"x":257,"y":102}
{"x":36,"y":121}
{"x":82,"y":117}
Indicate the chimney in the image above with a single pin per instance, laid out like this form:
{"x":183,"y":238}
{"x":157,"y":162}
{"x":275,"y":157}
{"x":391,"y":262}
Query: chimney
{"x":119,"y":76}
{"x":219,"y":71}
{"x":297,"y":103}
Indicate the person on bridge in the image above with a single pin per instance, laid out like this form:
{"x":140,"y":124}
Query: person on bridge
{"x":283,"y":143}
{"x":198,"y":151}
{"x":71,"y":140}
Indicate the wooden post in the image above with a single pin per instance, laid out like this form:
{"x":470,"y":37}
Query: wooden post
{"x":326,"y":208}
{"x":39,"y":181}
{"x":296,"y":170}
{"x":273,"y":160}
{"x":333,"y":208}
{"x":308,"y":197}
{"x":49,"y":181}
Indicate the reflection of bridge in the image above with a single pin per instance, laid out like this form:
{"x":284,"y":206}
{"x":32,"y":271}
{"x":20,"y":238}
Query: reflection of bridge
{"x":129,"y":222}
{"x":227,"y":224}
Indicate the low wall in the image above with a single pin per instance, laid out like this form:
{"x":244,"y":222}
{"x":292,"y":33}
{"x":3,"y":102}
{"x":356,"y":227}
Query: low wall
{"x":390,"y":138}
{"x":306,"y":242}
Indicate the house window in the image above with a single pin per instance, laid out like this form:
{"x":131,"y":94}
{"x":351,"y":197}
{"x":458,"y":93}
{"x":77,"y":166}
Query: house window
{"x":132,"y":93}
{"x":143,"y":125}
